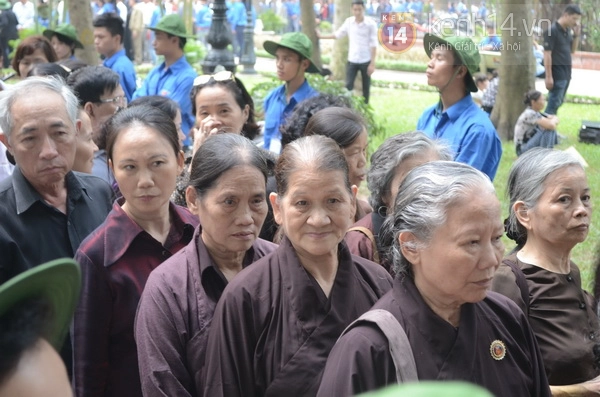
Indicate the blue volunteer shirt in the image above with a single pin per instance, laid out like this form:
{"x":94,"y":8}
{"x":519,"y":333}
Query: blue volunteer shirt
{"x":277,"y":109}
{"x":176,"y":83}
{"x":469,"y":132}
{"x":123,"y":66}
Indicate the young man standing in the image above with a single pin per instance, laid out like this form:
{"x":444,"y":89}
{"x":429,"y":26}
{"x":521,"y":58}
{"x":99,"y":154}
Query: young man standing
{"x":108,"y":40}
{"x":174,"y":77}
{"x":456,"y":119}
{"x":560,"y":41}
{"x":292,"y":57}
{"x":362,"y":46}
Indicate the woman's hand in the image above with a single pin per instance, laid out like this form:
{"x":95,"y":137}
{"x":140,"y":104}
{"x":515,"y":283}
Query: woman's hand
{"x":207,"y":127}
{"x":590,"y":388}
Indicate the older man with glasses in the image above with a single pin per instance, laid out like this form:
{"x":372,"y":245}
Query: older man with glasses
{"x":100,"y":95}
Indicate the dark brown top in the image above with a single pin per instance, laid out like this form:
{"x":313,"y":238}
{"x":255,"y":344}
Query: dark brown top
{"x":361,"y":359}
{"x":274,"y":327}
{"x":562,"y":316}
{"x":174,"y":317}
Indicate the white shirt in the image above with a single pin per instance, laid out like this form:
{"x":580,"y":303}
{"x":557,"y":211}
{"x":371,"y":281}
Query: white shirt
{"x":24,"y":13}
{"x":361,"y":38}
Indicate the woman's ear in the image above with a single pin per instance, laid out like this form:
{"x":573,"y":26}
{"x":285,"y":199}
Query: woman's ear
{"x":246,"y":113}
{"x":522,"y":214}
{"x":180,"y":162}
{"x":191,"y":197}
{"x":110,"y":166}
{"x":273,"y":198}
{"x":89,"y":108}
{"x":408,"y":246}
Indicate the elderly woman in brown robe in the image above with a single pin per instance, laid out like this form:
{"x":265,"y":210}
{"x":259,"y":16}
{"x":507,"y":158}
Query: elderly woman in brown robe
{"x":228,"y":195}
{"x":446,"y":245}
{"x":278,"y":319}
{"x":550,"y":211}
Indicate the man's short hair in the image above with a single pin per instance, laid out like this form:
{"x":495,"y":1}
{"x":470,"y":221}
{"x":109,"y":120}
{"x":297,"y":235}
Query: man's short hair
{"x":182,"y":40}
{"x":358,"y":3}
{"x":91,"y":82}
{"x":111,"y":22}
{"x":24,"y":88}
{"x":572,"y":9}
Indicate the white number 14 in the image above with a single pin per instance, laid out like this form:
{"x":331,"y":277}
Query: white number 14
{"x":400,"y":36}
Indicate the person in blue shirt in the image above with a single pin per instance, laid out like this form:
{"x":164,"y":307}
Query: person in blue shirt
{"x":174,"y":77}
{"x":238,"y":20}
{"x":491,"y":42}
{"x":203,"y":21}
{"x":293,"y":15}
{"x":108,"y":40}
{"x":293,"y":58}
{"x":456,"y":119}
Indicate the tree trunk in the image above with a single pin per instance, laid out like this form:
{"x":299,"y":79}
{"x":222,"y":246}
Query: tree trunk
{"x":339,"y":56}
{"x":517,"y":69}
{"x":81,"y":17}
{"x":307,"y":13}
{"x":188,"y":16}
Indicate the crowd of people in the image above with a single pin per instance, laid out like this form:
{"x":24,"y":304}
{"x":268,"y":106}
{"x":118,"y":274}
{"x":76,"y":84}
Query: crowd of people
{"x":231,"y":269}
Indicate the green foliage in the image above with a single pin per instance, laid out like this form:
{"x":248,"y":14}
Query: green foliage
{"x":271,"y":21}
{"x":321,"y":84}
{"x":326,"y":27}
{"x":194,"y":51}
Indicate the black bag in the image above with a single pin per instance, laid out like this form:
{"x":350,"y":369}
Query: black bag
{"x":590,"y":132}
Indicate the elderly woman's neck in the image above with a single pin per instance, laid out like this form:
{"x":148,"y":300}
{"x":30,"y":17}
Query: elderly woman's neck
{"x":547,"y":256}
{"x":323,"y":270}
{"x":448,"y":311}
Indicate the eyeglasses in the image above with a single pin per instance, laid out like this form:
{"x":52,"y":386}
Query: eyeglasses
{"x":223,"y":75}
{"x":121,"y":101}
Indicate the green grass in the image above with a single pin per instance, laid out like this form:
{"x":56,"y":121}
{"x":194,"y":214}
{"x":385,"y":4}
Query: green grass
{"x":399,"y":109}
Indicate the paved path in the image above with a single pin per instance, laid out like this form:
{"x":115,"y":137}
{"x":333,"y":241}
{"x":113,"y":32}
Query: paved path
{"x":583,"y":82}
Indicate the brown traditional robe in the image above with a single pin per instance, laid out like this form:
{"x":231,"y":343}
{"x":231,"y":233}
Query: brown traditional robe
{"x":274,"y":327}
{"x":562,"y":316}
{"x":174,"y":316}
{"x":361,"y":360}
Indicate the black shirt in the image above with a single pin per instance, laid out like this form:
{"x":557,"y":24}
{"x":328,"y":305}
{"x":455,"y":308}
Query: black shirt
{"x":33,"y":232}
{"x":559,"y":40}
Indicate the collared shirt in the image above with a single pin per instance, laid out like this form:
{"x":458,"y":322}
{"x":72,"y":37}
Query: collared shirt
{"x":277,"y":109}
{"x":559,"y":41}
{"x":174,"y":82}
{"x":174,"y":317}
{"x":36,"y":232}
{"x":469,"y":132}
{"x":121,"y":64}
{"x":116,"y":261}
{"x":361,"y":38}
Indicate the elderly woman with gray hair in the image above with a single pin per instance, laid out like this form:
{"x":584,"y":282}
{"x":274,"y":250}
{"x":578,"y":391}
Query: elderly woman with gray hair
{"x":550,"y":211}
{"x":390,"y":163}
{"x":445,"y":232}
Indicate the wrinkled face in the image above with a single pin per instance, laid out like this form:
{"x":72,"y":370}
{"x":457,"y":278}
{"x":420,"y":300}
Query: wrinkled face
{"x":400,"y":173}
{"x":63,"y":51}
{"x":105,"y":43}
{"x":218,"y":104}
{"x":356,"y":157}
{"x":440,"y":67}
{"x":29,"y":61}
{"x":458,"y":264}
{"x":289,"y":65}
{"x":562,"y":214}
{"x":315,"y":212}
{"x":84,"y":154}
{"x":43,"y":138}
{"x":146,"y":168}
{"x":233,"y":211}
{"x":39,"y":373}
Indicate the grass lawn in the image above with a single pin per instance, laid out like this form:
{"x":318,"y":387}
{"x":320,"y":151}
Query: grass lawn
{"x":399,"y":111}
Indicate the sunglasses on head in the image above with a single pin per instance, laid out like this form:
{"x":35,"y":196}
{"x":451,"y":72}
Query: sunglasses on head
{"x":223,"y":75}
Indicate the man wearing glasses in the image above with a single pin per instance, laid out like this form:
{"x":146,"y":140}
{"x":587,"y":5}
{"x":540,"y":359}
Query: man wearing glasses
{"x":174,"y":77}
{"x":100,"y":95}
